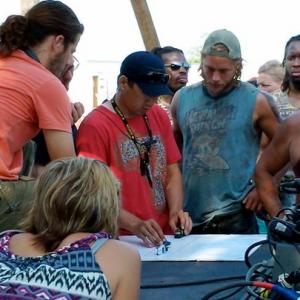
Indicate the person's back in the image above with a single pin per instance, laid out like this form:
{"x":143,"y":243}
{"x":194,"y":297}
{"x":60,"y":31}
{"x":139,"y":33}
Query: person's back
{"x":90,"y":266}
{"x":34,"y":51}
{"x":66,"y":250}
{"x":25,"y":107}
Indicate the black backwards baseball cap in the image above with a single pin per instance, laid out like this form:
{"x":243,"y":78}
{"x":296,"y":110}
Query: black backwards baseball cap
{"x":148,"y":71}
{"x":225,"y":37}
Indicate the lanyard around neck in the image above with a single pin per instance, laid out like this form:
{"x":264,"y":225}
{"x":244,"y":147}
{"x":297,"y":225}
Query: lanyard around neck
{"x":32,"y":54}
{"x":144,"y":157}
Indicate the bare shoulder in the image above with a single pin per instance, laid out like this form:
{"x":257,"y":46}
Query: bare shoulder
{"x":119,"y":250}
{"x":24,"y":244}
{"x":265,"y":104}
{"x":120,"y":244}
{"x":118,"y":259}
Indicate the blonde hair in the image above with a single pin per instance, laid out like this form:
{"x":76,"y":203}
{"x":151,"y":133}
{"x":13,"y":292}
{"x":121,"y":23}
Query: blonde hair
{"x":274,"y":69}
{"x":73,"y":195}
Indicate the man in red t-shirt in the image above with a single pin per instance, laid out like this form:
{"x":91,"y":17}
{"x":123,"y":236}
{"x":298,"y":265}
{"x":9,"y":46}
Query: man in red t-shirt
{"x":133,"y":136}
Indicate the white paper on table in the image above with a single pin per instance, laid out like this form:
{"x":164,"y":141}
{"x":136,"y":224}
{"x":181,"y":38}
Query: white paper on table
{"x":210,"y":247}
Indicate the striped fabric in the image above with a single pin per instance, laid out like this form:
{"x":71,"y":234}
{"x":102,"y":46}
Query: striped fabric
{"x":67,"y":273}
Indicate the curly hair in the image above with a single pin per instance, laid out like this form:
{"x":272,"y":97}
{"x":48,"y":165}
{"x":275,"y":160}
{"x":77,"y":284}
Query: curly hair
{"x":72,"y":195}
{"x":43,"y":19}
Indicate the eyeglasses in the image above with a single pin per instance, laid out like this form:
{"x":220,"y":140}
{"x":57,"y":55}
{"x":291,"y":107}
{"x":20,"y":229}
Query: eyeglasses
{"x":155,"y":77}
{"x":75,"y":63}
{"x":175,"y":66}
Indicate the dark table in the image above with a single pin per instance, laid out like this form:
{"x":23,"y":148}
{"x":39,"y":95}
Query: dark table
{"x":206,"y":273}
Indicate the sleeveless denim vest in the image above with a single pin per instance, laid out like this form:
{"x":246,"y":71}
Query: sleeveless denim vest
{"x":220,"y":148}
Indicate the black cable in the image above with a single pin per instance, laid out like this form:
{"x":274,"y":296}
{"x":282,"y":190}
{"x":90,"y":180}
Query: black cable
{"x":246,"y":256}
{"x":188,"y":283}
{"x":231,"y":294}
{"x":224,"y":288}
{"x":283,"y":210}
{"x":247,"y":297}
{"x":254,"y":270}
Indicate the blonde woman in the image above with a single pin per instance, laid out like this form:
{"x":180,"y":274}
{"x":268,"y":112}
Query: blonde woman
{"x":270,"y":76}
{"x":65,"y":250}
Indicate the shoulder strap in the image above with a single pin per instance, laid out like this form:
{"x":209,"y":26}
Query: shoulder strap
{"x":98,"y":244}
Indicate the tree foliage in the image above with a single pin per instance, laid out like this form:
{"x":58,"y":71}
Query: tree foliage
{"x":194,"y":55}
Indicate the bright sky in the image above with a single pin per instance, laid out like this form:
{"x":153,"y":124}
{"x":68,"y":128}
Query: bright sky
{"x":111,"y":31}
{"x":262,"y":26}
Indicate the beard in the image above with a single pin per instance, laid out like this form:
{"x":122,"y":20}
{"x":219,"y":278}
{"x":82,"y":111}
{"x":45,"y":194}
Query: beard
{"x":295,"y":81}
{"x":58,"y":65}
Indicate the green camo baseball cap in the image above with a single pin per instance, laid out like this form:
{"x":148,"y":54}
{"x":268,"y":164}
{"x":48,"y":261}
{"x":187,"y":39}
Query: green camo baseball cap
{"x":225,"y":37}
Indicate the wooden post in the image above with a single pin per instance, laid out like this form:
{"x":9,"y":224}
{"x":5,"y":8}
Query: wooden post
{"x":27,"y":4}
{"x":95,"y":90}
{"x":145,"y":23}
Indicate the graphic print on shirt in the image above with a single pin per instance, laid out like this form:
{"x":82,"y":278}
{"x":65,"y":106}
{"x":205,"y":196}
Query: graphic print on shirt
{"x":207,"y":128}
{"x":131,"y":162}
{"x":285,"y":107}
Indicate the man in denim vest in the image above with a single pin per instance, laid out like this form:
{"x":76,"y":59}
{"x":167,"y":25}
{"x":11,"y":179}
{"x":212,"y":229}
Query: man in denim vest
{"x":218,"y":124}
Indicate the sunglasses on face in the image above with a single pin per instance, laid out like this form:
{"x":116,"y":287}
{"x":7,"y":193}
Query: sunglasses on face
{"x":175,"y":66}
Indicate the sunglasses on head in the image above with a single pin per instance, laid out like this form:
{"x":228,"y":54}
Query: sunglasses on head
{"x":175,"y":66}
{"x":156,"y":77}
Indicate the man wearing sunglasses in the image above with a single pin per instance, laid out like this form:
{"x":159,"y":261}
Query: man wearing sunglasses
{"x":218,"y":124}
{"x":177,"y":68}
{"x":133,"y":136}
